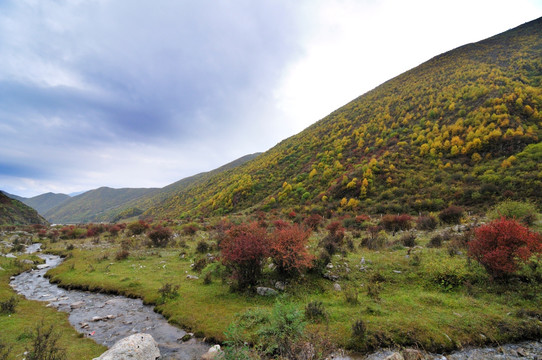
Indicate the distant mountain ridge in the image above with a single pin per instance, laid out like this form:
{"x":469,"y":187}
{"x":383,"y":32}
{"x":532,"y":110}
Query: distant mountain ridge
{"x":106,"y":204}
{"x":15,"y":212}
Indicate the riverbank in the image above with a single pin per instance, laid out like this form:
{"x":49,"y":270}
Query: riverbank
{"x":19,"y":327}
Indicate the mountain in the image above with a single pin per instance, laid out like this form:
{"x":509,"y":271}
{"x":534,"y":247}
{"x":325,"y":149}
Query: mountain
{"x":14,"y":212}
{"x":107,"y":204}
{"x":88,"y":206}
{"x":42,"y":203}
{"x":463,"y":128}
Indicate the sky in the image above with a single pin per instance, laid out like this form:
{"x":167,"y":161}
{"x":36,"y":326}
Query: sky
{"x":132,"y":93}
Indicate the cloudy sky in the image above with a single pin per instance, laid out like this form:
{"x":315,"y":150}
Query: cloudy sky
{"x":132,"y":93}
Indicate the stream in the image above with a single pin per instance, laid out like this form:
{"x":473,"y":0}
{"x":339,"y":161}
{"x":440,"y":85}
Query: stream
{"x":107,"y":318}
{"x":110,"y":318}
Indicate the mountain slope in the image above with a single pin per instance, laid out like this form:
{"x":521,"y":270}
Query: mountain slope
{"x":463,"y":128}
{"x":154,"y":199}
{"x":90,"y":205}
{"x":14,"y":212}
{"x":106,"y":204}
{"x":42,"y":203}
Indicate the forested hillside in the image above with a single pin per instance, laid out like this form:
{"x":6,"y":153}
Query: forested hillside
{"x":461,"y":128}
{"x":14,"y":212}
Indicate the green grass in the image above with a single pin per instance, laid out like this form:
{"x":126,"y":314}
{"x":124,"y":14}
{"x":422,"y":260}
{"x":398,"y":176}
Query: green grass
{"x":17,"y":328}
{"x":437,"y":302}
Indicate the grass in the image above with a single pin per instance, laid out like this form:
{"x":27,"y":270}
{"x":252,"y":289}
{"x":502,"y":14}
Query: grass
{"x":438,"y":302}
{"x":18,"y":328}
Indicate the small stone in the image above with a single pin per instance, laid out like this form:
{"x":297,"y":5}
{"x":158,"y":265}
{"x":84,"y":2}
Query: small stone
{"x":110,"y":317}
{"x":29,"y":262}
{"x":84,"y":325}
{"x":397,"y":271}
{"x":192,"y":277}
{"x":279,"y":285}
{"x":329,"y":266}
{"x":521,"y":352}
{"x":76,"y":305}
{"x":43,"y":266}
{"x":97,"y":318}
{"x":2,"y":269}
{"x":337,"y":287}
{"x":265,"y":291}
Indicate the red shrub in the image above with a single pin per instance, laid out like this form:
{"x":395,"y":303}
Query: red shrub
{"x":314,"y":221}
{"x":395,"y":223}
{"x":190,"y":229}
{"x":243,"y":249}
{"x":362,"y":218}
{"x":160,"y":236}
{"x":502,"y":244}
{"x":114,"y":230}
{"x":281,"y":224}
{"x":288,"y":250}
{"x":335,"y":229}
{"x":137,"y":227}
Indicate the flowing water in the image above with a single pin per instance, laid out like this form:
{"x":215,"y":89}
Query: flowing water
{"x":107,"y":318}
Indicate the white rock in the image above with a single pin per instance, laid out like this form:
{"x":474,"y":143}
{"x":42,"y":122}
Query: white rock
{"x":136,"y":347}
{"x":337,"y":287}
{"x":213,"y":353}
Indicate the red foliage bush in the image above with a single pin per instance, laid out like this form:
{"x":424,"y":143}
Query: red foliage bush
{"x":137,"y":227}
{"x":362,"y":218}
{"x":395,"y":223}
{"x":501,"y":245}
{"x":160,"y":236}
{"x":280,"y":224}
{"x":243,"y":249}
{"x":288,"y":250}
{"x":314,"y":221}
{"x":114,"y":230}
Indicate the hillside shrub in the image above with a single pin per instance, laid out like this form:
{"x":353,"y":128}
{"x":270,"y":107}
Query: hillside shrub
{"x":8,"y":306}
{"x":190,"y":229}
{"x":314,"y":221}
{"x":395,"y":223}
{"x":137,"y":227}
{"x":435,"y":241}
{"x":408,"y":239}
{"x":160,"y":236}
{"x":288,"y":250}
{"x":315,"y":311}
{"x":202,"y":247}
{"x":45,"y":344}
{"x":502,"y":245}
{"x":243,"y":250}
{"x":523,"y":211}
{"x":451,"y":215}
{"x":426,"y":223}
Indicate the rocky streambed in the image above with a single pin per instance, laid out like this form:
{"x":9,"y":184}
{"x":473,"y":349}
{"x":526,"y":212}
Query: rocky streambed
{"x":107,"y":318}
{"x":110,"y":318}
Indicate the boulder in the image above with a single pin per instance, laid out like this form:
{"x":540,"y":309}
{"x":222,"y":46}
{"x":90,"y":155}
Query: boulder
{"x":136,"y":347}
{"x":213,"y":353}
{"x":265,"y":291}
